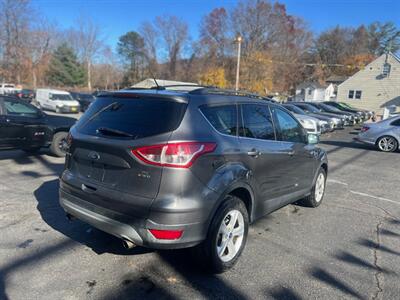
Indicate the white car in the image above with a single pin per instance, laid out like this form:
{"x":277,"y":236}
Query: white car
{"x":7,"y":89}
{"x":56,"y":100}
{"x":311,"y":124}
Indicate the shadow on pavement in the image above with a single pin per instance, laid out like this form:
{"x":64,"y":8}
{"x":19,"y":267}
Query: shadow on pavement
{"x":334,"y":282}
{"x":52,"y":213}
{"x":283,"y":293}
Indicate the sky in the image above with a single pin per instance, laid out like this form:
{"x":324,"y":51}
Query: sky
{"x":116,"y":17}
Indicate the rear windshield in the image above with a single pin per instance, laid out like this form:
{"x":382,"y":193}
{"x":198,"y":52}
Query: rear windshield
{"x":135,"y":117}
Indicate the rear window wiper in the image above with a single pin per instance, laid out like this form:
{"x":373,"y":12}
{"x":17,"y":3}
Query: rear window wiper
{"x":115,"y":132}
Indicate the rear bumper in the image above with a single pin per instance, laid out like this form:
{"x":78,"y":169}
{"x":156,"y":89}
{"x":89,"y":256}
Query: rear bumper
{"x":70,"y":109}
{"x":130,"y":228}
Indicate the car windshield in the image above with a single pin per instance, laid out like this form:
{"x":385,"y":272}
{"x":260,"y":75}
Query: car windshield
{"x":294,"y":109}
{"x":329,"y":108}
{"x":308,"y":108}
{"x":9,"y":86}
{"x":63,"y":97}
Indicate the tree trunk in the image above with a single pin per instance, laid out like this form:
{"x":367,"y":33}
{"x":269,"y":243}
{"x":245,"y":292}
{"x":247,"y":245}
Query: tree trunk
{"x":89,"y":75}
{"x":34,"y":78}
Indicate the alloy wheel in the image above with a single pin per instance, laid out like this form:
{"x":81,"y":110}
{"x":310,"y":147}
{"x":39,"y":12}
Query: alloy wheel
{"x":319,"y":187}
{"x":230,"y":235}
{"x":387,"y":144}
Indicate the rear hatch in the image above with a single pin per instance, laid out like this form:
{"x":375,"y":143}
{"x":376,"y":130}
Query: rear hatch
{"x":100,"y":163}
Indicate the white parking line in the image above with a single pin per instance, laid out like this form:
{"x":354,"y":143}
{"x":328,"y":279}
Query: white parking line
{"x":338,"y":182}
{"x":363,"y":194}
{"x":375,"y":197}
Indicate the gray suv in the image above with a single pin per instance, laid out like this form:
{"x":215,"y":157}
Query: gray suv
{"x":167,"y":169}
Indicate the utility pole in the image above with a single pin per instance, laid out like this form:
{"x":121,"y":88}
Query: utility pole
{"x":239,"y":41}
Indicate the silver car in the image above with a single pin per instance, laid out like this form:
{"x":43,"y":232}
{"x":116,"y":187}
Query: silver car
{"x":384,"y":134}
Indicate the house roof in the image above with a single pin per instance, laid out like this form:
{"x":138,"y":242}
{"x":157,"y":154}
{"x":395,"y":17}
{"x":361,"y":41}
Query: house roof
{"x":389,"y":53}
{"x":336,"y":78}
{"x":311,"y":84}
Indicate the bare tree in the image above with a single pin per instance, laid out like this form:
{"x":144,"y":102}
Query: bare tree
{"x":151,"y":42}
{"x":41,"y":41}
{"x":174,"y":34}
{"x":86,"y":40}
{"x":15,"y":23}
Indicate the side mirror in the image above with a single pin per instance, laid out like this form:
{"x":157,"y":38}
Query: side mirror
{"x":312,"y":139}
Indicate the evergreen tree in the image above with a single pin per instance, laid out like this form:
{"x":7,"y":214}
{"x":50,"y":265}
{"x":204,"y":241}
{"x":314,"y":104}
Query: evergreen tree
{"x":64,"y":68}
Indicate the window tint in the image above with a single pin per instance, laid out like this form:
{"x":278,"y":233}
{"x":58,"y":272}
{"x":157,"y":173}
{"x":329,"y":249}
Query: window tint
{"x":63,"y":97}
{"x":15,"y":108}
{"x":137,"y":117}
{"x":288,"y":129}
{"x":257,"y":122}
{"x":358,"y":94}
{"x":222,"y":118}
{"x":351,"y":94}
{"x":396,"y":123}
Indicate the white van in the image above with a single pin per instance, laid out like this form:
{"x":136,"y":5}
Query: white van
{"x":58,"y":101}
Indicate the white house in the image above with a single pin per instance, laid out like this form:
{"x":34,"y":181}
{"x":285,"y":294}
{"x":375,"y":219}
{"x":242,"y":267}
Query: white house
{"x":374,"y":87}
{"x":314,"y":91}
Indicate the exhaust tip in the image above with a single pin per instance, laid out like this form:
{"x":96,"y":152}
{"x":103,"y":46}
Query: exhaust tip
{"x":128,"y":244}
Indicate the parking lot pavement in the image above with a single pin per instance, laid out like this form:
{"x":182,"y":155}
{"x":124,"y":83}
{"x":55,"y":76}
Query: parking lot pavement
{"x":349,"y":247}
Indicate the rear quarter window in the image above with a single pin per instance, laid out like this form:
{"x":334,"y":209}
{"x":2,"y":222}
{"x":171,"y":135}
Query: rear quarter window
{"x":140,"y":117}
{"x":223,"y":118}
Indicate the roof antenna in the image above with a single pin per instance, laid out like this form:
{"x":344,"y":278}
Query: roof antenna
{"x":158,"y":87}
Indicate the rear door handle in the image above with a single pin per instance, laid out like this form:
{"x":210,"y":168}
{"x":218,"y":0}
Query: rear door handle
{"x":254,"y":153}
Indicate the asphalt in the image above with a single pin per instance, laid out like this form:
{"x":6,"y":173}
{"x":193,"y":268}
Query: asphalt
{"x":349,"y":247}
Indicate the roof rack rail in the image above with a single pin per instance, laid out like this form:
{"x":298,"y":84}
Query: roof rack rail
{"x":165,"y":87}
{"x":227,"y":92}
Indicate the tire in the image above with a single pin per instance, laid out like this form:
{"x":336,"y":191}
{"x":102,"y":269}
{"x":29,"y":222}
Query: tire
{"x":316,"y":196}
{"x":215,"y":241}
{"x":387,"y":143}
{"x":33,"y":150}
{"x":56,"y":146}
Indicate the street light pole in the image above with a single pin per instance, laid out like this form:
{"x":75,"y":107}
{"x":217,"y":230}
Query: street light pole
{"x":239,"y":41}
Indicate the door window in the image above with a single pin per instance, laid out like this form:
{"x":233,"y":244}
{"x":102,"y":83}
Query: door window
{"x":257,"y":122}
{"x":16,"y":108}
{"x":396,"y":123}
{"x":222,"y":118}
{"x":288,"y":129}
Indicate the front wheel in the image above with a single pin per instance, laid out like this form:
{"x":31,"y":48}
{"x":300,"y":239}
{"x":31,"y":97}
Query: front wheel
{"x":387,"y":144}
{"x":317,"y":192}
{"x":58,"y":145}
{"x":227,"y":236}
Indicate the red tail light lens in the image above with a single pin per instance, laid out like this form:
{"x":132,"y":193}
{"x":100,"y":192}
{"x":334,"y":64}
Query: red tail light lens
{"x":364,"y":128}
{"x":166,"y":234}
{"x":174,"y":155}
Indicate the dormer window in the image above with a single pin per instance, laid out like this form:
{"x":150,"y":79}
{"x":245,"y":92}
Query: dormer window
{"x":386,"y":69}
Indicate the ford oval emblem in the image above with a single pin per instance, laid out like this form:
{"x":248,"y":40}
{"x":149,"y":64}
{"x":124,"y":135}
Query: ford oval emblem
{"x":94,"y":155}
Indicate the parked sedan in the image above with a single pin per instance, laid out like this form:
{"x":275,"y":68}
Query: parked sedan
{"x":321,"y":125}
{"x":365,"y":115}
{"x":338,"y":121}
{"x":354,"y":118}
{"x":384,"y":134}
{"x":84,"y":99}
{"x":26,"y":95}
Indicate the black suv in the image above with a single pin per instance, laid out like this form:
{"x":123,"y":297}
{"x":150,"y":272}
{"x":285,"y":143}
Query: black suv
{"x":166,"y":169}
{"x":23,"y":126}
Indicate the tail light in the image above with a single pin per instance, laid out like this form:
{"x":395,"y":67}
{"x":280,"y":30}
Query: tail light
{"x":166,"y":234}
{"x":364,"y":128}
{"x":174,"y":155}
